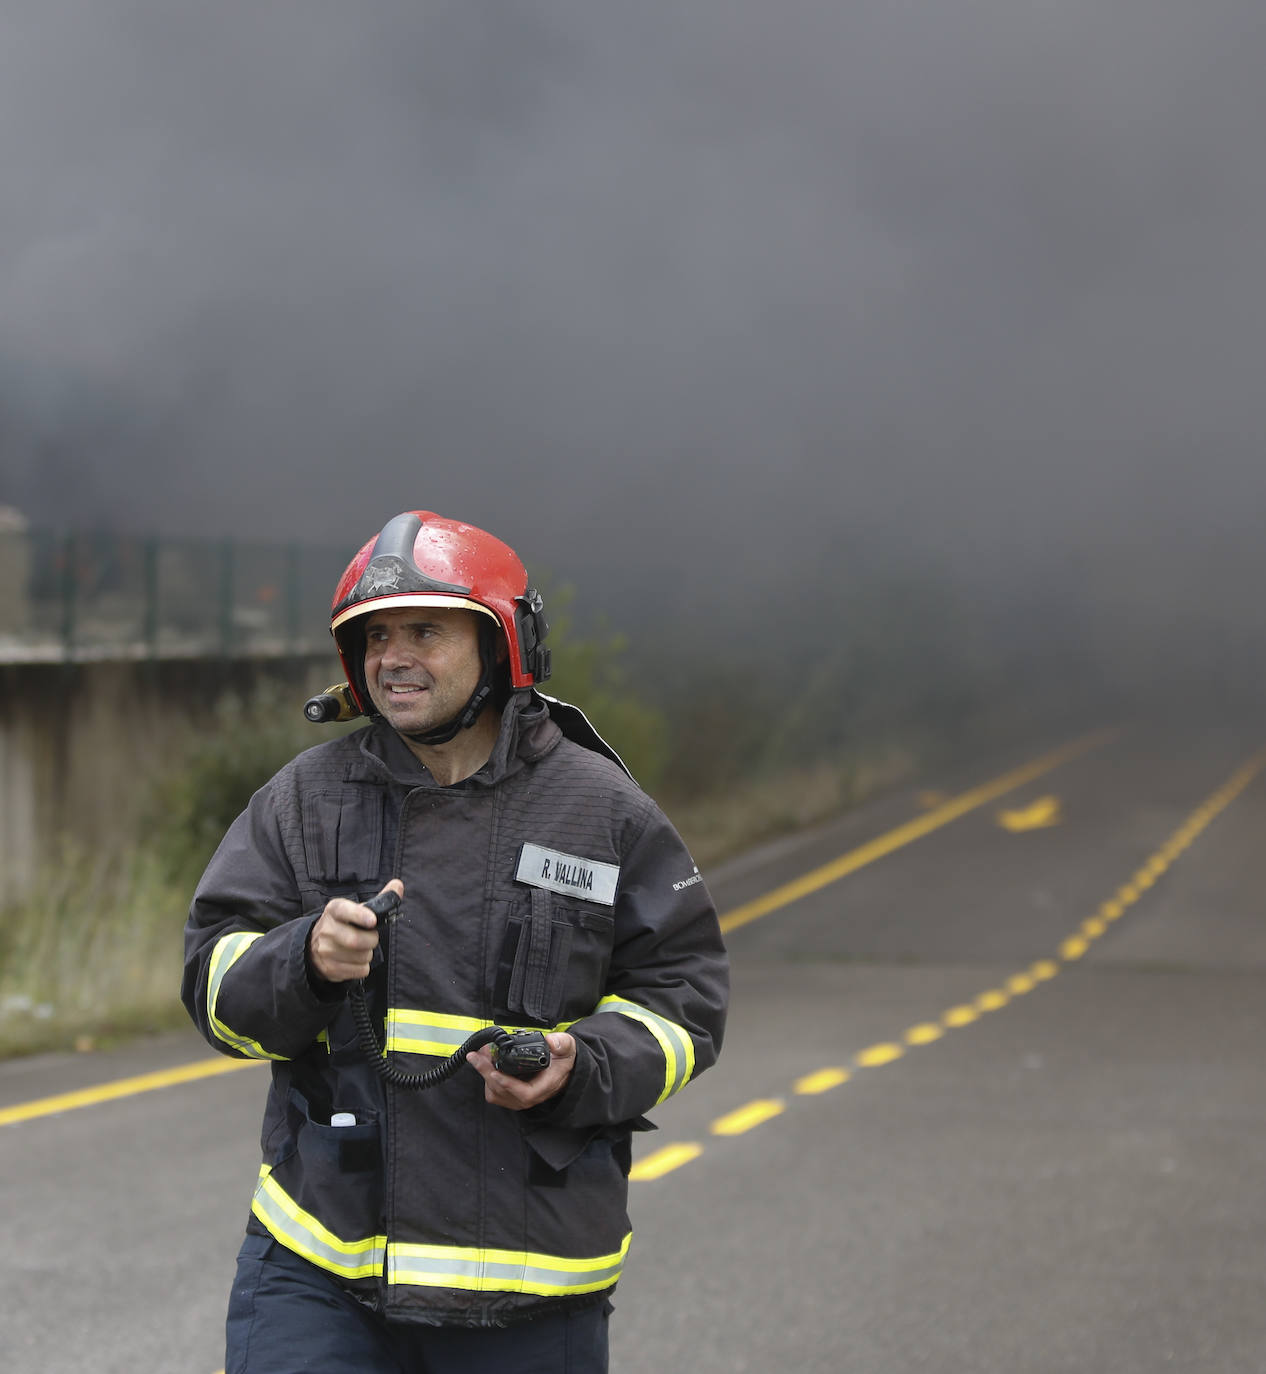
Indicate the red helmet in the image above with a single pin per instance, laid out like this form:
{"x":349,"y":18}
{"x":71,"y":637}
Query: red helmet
{"x":420,"y":559}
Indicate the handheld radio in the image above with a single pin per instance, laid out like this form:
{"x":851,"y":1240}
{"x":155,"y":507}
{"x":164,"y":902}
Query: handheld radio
{"x":521,"y":1053}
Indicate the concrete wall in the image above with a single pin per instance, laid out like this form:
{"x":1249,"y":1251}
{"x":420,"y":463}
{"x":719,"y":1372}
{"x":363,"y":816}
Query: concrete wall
{"x":79,"y":743}
{"x":15,"y":568}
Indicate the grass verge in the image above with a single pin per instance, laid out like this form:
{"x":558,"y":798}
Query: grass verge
{"x":92,"y":957}
{"x":722,"y":825}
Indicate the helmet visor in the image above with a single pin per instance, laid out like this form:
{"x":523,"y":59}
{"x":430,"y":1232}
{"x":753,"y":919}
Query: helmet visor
{"x":388,"y":603}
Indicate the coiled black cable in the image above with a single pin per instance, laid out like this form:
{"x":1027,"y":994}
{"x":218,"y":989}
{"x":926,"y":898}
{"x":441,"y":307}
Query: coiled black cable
{"x":432,"y":1077}
{"x":521,"y":1054}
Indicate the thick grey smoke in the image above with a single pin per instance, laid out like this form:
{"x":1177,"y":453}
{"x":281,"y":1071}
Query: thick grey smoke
{"x":689,"y":298}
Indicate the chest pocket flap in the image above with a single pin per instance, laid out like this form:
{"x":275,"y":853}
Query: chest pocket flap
{"x":552,"y":956}
{"x":536,"y":980}
{"x":342,"y":834}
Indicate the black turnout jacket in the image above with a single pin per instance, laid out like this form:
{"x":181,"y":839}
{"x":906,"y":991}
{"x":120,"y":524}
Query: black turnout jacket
{"x":545,"y":891}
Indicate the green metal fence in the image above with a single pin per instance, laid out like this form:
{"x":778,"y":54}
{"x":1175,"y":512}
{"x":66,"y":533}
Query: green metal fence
{"x":70,"y":595}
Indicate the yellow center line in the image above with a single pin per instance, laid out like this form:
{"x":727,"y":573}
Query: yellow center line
{"x":906,"y":834}
{"x":664,"y":1161}
{"x":820,"y":1082}
{"x":745,"y":1118}
{"x":122,"y":1087}
{"x":876,"y":1055}
{"x":1076,"y":946}
{"x":1073,"y":948}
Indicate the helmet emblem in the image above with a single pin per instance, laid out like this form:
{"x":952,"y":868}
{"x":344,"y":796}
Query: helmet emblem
{"x":382,"y":575}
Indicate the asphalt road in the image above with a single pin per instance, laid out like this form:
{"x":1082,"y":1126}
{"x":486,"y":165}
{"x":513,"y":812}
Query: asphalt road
{"x":991,"y":1102}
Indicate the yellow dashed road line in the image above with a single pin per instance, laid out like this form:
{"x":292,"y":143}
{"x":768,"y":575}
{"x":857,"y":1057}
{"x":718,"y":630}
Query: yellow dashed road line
{"x":664,"y":1161}
{"x":745,"y":1118}
{"x":737,"y":1122}
{"x":993,"y":999}
{"x":877,"y":1055}
{"x":820,"y":1082}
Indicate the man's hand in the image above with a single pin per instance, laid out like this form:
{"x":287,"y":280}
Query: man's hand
{"x":517,"y":1094}
{"x":342,"y":942}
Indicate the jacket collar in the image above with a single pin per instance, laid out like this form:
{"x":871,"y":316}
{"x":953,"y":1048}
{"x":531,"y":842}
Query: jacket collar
{"x":527,"y":733}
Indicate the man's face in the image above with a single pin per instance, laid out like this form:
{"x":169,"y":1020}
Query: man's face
{"x":421,"y":664}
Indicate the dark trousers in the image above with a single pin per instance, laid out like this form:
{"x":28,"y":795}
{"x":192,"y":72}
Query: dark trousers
{"x":287,"y":1316}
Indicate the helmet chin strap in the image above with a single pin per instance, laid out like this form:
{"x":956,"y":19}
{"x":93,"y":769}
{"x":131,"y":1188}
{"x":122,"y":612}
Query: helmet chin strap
{"x":471,"y":712}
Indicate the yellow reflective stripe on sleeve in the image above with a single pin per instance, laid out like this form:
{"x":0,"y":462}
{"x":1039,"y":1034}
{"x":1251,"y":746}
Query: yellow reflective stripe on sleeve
{"x":301,"y":1232}
{"x":502,"y":1271}
{"x":228,"y":950}
{"x":674,"y":1040}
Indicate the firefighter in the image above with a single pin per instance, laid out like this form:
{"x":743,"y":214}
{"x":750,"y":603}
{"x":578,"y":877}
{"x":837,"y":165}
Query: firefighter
{"x":481,"y":1224}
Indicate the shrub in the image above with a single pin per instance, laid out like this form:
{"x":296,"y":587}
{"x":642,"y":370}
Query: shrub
{"x":214,"y":775}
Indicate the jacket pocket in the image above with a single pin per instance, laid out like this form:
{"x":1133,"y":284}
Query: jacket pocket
{"x":342,"y":835}
{"x":553,"y":961}
{"x":324,"y":1194}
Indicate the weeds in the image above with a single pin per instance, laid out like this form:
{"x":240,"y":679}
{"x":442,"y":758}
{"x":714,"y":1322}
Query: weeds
{"x":724,"y":823}
{"x":214,"y":774}
{"x":93,"y":954}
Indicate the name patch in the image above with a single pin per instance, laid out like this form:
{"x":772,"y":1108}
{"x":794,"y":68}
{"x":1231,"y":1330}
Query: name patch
{"x":568,"y":874}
